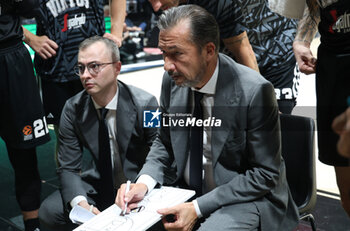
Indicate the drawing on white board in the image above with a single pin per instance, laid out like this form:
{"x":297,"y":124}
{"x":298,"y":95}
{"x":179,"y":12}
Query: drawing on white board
{"x":140,"y":218}
{"x":138,"y":209}
{"x":121,"y":222}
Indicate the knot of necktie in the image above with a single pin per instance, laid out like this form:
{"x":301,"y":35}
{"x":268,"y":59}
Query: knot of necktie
{"x":103,"y":112}
{"x":198,"y":96}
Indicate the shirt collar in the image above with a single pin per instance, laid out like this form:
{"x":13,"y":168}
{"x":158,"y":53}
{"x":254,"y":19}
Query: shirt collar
{"x":112,"y":105}
{"x":210,"y":86}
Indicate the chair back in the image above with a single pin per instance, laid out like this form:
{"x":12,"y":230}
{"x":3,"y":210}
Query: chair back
{"x":298,"y":152}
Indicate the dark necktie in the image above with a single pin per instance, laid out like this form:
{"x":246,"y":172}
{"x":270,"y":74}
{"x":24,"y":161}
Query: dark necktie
{"x":106,"y":190}
{"x":196,"y":151}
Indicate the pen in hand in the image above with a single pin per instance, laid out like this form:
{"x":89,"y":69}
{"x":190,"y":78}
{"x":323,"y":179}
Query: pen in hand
{"x":126,"y":191}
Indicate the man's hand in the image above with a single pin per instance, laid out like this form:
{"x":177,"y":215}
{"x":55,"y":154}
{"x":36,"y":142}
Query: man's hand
{"x":341,"y":126}
{"x":136,"y":193}
{"x":42,"y":45}
{"x":114,"y":38}
{"x":86,"y":206}
{"x":303,"y":55}
{"x":184,"y":214}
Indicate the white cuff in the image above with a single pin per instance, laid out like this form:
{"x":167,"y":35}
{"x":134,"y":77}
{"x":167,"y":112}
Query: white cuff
{"x":196,"y":207}
{"x":148,"y":181}
{"x":76,"y":200}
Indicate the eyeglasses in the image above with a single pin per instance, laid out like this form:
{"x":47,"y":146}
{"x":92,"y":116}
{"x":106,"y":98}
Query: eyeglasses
{"x":93,"y":68}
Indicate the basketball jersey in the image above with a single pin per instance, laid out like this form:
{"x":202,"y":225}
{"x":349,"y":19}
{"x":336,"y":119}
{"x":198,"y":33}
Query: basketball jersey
{"x":271,"y":37}
{"x":68,"y":23}
{"x":226,"y":14}
{"x":334,"y":26}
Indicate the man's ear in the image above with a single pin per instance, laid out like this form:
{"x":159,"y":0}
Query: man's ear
{"x":210,"y":50}
{"x":117,"y":66}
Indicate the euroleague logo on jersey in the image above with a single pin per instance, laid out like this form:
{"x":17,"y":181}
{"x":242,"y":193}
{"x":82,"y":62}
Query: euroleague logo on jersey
{"x":38,"y":129}
{"x":27,"y":130}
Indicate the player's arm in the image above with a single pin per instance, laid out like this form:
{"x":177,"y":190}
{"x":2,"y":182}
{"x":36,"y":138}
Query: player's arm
{"x":117,"y":11}
{"x":307,"y":28}
{"x":241,"y":49}
{"x":42,"y":45}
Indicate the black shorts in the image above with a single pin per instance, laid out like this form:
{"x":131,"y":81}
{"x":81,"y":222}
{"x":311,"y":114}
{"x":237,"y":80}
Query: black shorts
{"x":286,"y":106}
{"x":55,"y":95}
{"x":332,"y":90}
{"x":22,"y":120}
{"x":285,"y":81}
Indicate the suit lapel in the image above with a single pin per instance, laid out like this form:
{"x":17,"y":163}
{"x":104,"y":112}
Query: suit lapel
{"x":126,"y":116}
{"x":179,"y":103}
{"x":226,"y":100}
{"x":87,"y":122}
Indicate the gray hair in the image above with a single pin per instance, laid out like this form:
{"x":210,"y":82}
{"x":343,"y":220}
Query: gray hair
{"x":203,"y":26}
{"x":110,"y":44}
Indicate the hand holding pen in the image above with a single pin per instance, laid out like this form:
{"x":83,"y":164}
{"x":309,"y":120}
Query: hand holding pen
{"x":127,"y":189}
{"x":128,"y":200}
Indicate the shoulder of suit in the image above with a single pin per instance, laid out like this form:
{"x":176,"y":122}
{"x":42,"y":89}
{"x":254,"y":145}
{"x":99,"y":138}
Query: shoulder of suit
{"x":77,"y":103}
{"x":138,"y":95}
{"x":76,"y":99}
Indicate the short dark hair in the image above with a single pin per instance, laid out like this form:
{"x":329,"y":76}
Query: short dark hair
{"x":203,"y":26}
{"x":111,"y":46}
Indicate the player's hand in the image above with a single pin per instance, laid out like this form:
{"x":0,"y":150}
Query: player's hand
{"x":341,"y":126}
{"x":44,"y":46}
{"x":136,"y":193}
{"x":91,"y":208}
{"x":303,"y":55}
{"x":184,"y":215}
{"x":116,"y":39}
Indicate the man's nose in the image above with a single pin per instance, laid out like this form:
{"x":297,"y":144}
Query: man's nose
{"x":86,"y":74}
{"x":169,"y":65}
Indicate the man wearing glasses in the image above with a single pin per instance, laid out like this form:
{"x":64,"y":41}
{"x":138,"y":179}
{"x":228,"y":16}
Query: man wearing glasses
{"x":61,"y":26}
{"x":107,"y":120}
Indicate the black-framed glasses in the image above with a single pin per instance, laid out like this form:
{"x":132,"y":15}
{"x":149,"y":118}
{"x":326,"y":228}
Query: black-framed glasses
{"x":93,"y":68}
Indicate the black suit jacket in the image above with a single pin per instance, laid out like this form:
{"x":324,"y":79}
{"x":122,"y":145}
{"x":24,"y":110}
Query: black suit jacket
{"x":79,"y":130}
